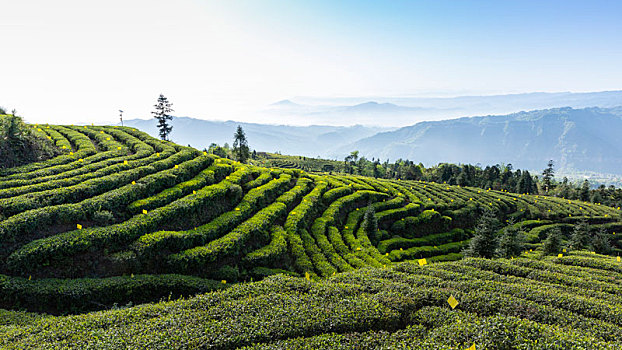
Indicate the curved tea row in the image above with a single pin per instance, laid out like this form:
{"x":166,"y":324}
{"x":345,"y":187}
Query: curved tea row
{"x":122,"y":211}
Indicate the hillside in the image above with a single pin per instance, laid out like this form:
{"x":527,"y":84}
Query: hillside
{"x":309,"y":141}
{"x":19,"y":145}
{"x":577,"y":139}
{"x":572,"y":302}
{"x":121,"y":216}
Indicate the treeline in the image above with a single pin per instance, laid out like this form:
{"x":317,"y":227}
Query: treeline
{"x":496,"y":177}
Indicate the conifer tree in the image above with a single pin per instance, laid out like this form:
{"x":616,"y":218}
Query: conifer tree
{"x":547,"y":176}
{"x":370,"y":224}
{"x":580,"y":238}
{"x":511,"y":242}
{"x":162,"y":114}
{"x":601,"y":243}
{"x":584,"y":193}
{"x":484,"y":243}
{"x":240,"y":145}
{"x":553,"y":242}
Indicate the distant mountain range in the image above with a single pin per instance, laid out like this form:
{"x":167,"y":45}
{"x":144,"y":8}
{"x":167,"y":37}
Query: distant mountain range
{"x":576,"y":139}
{"x":404,"y":111}
{"x":310,"y":141}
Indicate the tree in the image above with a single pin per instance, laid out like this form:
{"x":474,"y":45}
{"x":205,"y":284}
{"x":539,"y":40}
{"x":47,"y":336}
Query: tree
{"x":525,"y":183}
{"x":240,"y":145}
{"x":547,"y":175}
{"x":584,"y":193}
{"x":580,"y":238}
{"x":484,"y":243}
{"x":512,"y":242}
{"x":553,"y":242}
{"x":162,"y":114}
{"x":370,"y":224}
{"x":601,"y":243}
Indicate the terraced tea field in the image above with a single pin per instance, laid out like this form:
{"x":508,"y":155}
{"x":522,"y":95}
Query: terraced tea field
{"x":571,"y":302}
{"x":121,"y":216}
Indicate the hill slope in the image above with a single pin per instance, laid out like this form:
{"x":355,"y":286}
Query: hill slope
{"x":309,"y":141}
{"x":571,"y":302}
{"x":584,"y":139}
{"x":121,"y":216}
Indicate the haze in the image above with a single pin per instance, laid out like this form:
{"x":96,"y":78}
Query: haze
{"x":78,"y":61}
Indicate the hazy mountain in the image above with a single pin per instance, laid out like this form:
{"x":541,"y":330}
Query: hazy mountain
{"x":577,"y":139}
{"x":403,"y":111}
{"x":308,"y":141}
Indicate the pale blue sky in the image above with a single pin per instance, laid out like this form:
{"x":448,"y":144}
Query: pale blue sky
{"x":70,"y":61}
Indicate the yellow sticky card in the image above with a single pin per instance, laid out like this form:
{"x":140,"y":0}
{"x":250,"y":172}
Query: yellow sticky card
{"x":176,"y":166}
{"x":107,"y":138}
{"x":81,"y":160}
{"x":307,"y":276}
{"x":133,"y":182}
{"x":157,"y":154}
{"x":144,"y":211}
{"x":237,"y":209}
{"x":560,"y":255}
{"x":618,"y":258}
{"x":472,"y":347}
{"x":71,"y":153}
{"x":593,"y":252}
{"x":564,"y":250}
{"x":194,"y":192}
{"x":387,"y":254}
{"x":223,"y":281}
{"x":358,"y":248}
{"x":29,"y":277}
{"x":452,"y":302}
{"x":79,"y":226}
{"x":125,"y":162}
{"x":422,"y":262}
{"x":204,"y":153}
{"x":119,"y":147}
{"x":101,"y":132}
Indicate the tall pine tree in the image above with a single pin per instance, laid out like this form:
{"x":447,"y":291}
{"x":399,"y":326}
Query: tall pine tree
{"x":370,"y":224}
{"x":162,"y":114}
{"x":547,"y":176}
{"x":512,"y":242}
{"x":240,"y":145}
{"x":484,"y":243}
{"x":581,"y":238}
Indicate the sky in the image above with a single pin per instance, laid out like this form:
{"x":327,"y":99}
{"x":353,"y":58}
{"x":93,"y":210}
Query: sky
{"x":81,"y":61}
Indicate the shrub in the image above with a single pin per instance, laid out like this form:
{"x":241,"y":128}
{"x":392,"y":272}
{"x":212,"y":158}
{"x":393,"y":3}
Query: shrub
{"x":103,"y":218}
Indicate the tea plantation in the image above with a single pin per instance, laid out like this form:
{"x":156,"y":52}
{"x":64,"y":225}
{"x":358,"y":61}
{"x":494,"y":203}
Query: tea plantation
{"x":120,"y":218}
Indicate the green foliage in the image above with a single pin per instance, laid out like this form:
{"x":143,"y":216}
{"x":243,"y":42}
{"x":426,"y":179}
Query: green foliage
{"x":370,"y":224}
{"x":240,"y":145}
{"x":601,"y":242}
{"x":484,"y":243}
{"x":503,"y":304}
{"x":117,"y":202}
{"x":19,"y":145}
{"x":163,"y":108}
{"x":553,"y":242}
{"x":580,"y":238}
{"x":103,"y":218}
{"x":511,"y":242}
